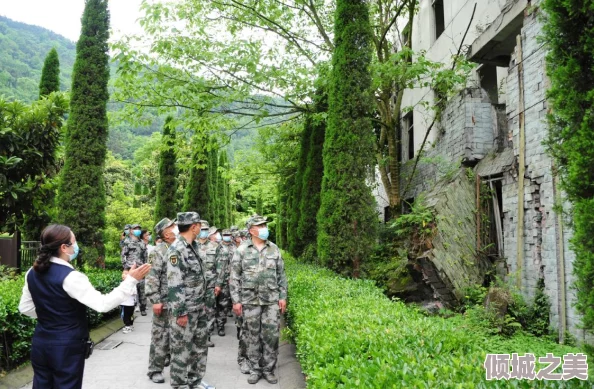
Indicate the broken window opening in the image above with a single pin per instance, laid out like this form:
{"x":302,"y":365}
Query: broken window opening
{"x":407,"y":205}
{"x":438,"y":13}
{"x":409,"y":126}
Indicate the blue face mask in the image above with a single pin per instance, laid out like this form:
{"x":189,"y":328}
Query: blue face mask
{"x":76,"y":250}
{"x":263,"y":233}
{"x":203,"y":234}
{"x":137,"y":233}
{"x":227,"y":238}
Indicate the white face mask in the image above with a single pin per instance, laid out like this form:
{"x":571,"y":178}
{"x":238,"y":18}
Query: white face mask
{"x":175,"y":231}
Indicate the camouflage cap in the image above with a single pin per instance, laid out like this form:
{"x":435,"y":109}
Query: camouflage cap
{"x":243,"y":233}
{"x":187,"y":218}
{"x":236,"y":234}
{"x":127,"y":226}
{"x":255,"y":220}
{"x":163,"y":224}
{"x":133,"y":226}
{"x":234,"y":228}
{"x":227,"y":232}
{"x":213,"y":230}
{"x":205,"y":225}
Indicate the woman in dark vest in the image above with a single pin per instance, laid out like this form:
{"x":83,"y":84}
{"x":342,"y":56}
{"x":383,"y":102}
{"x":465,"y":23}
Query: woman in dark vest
{"x":57,"y":295}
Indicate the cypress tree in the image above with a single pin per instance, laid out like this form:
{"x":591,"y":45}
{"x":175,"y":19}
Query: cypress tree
{"x":259,"y":205}
{"x":568,"y":32}
{"x":347,"y":219}
{"x":222,"y":190}
{"x":285,"y":185}
{"x":196,"y":194}
{"x":50,"y":74}
{"x":309,"y":203}
{"x":167,"y":184}
{"x":81,"y":194}
{"x":295,"y":241}
{"x":213,"y":198}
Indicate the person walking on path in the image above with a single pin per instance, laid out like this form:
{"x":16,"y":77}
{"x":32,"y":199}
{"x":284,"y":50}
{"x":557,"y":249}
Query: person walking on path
{"x":186,"y":284}
{"x":57,"y":295}
{"x":259,"y":293}
{"x":156,"y":294}
{"x":134,"y":252}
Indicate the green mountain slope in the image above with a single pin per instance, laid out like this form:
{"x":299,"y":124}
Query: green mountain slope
{"x":23,"y":48}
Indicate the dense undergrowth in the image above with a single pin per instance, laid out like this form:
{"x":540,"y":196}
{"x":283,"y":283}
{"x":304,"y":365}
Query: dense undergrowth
{"x":350,"y":335}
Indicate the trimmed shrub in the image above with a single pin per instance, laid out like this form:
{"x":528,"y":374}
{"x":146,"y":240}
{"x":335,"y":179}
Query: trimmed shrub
{"x":349,"y":335}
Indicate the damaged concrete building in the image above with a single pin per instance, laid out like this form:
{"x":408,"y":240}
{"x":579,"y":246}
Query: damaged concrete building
{"x":491,"y":135}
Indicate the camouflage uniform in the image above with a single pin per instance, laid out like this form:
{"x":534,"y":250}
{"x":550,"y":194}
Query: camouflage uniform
{"x":156,"y":293}
{"x":210,"y":253}
{"x":223,"y":299}
{"x":126,"y":232}
{"x":134,"y":252}
{"x":186,"y":281}
{"x":258,"y":282}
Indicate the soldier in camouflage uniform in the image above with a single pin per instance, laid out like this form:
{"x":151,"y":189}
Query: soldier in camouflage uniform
{"x":223,"y":272}
{"x":156,"y":293}
{"x":186,"y":284}
{"x":212,"y":254}
{"x":230,"y":245}
{"x":259,"y":292}
{"x":209,"y":299}
{"x":126,"y":235}
{"x":134,"y":252}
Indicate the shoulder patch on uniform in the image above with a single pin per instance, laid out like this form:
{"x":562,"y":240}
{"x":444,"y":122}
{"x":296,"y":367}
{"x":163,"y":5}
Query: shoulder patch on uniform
{"x":173,"y":259}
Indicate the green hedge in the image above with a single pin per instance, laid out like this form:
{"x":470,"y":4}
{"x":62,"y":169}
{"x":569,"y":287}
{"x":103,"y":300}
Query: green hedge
{"x":349,"y":335}
{"x":17,"y":329}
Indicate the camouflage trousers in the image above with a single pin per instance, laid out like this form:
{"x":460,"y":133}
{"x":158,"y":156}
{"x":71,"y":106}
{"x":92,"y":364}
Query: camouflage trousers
{"x":188,"y":349}
{"x":141,"y":295}
{"x":222,"y":307}
{"x":242,"y":349}
{"x":210,"y":308}
{"x":262,"y":329}
{"x":159,"y":343}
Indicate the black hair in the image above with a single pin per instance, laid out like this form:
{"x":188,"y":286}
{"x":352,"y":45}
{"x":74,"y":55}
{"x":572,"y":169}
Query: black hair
{"x":52,"y":238}
{"x":184,"y":228}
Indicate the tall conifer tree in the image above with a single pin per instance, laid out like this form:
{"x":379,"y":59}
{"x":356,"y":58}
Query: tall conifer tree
{"x":50,"y":74}
{"x":213,"y":195}
{"x":196,"y":194}
{"x":167,"y":185}
{"x":347,"y":219}
{"x":81,"y":194}
{"x":312,"y":176}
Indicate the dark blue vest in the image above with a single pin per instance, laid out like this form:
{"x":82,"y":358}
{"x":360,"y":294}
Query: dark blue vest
{"x":59,"y":316}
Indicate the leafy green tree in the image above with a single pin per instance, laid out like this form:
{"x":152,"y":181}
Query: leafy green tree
{"x":29,"y":135}
{"x":50,"y":74}
{"x":568,"y":31}
{"x":213,"y":189}
{"x":81,"y":194}
{"x":196,"y":194}
{"x":347,"y":219}
{"x":294,"y":240}
{"x":309,"y":203}
{"x":167,"y":185}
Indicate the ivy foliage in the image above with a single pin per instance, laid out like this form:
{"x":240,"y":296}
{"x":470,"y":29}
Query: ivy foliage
{"x":568,"y":32}
{"x":347,"y":218}
{"x":81,"y":195}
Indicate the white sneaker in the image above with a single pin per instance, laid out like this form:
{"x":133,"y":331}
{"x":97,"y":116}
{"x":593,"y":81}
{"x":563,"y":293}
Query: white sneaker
{"x":127,"y":330}
{"x":137,"y":309}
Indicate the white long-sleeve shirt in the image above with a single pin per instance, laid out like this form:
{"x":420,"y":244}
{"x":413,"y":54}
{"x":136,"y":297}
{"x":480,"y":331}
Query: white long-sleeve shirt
{"x":78,"y":286}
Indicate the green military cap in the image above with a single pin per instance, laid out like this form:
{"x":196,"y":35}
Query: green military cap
{"x":236,"y":234}
{"x":213,"y":230}
{"x":255,"y":220}
{"x":243,"y":233}
{"x":205,"y":225}
{"x":163,"y":224}
{"x":187,"y":218}
{"x":133,"y":226}
{"x":234,"y":228}
{"x":127,"y":226}
{"x":227,"y":232}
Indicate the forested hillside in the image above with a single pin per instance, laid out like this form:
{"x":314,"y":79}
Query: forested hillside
{"x":23,"y":48}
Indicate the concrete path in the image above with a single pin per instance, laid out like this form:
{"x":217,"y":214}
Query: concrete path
{"x":126,"y":366}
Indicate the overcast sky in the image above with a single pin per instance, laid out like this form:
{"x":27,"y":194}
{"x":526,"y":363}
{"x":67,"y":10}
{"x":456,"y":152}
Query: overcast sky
{"x":63,"y":16}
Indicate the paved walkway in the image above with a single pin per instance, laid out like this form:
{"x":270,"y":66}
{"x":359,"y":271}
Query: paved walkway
{"x":126,"y":365}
